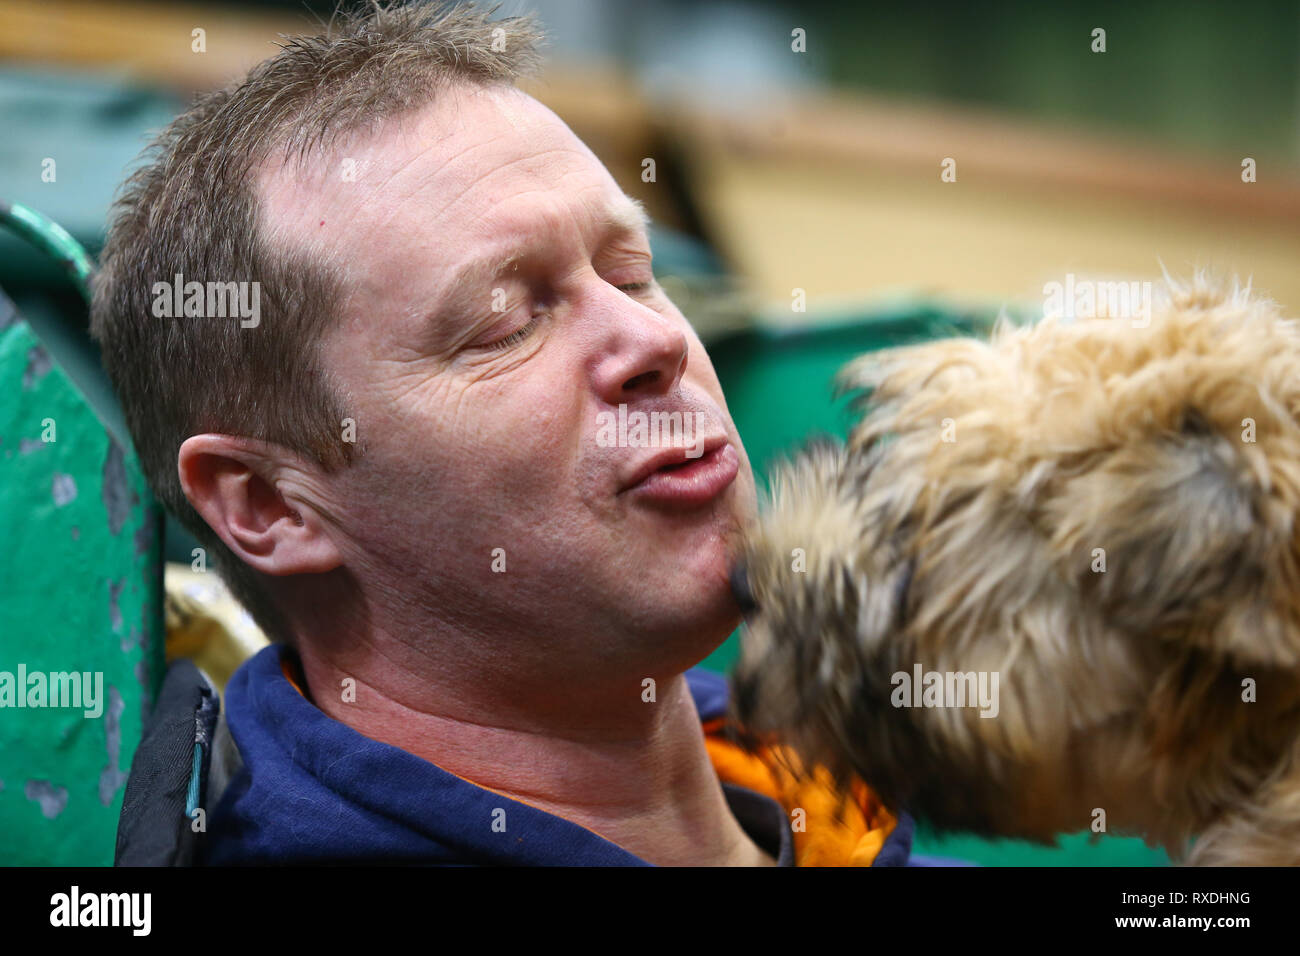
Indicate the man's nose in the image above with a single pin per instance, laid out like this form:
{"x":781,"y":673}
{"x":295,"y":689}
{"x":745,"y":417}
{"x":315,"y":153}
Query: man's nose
{"x":643,"y":351}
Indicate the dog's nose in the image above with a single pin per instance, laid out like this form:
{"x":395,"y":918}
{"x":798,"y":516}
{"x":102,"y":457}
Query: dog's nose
{"x":740,"y":588}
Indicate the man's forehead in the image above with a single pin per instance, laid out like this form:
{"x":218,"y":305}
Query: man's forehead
{"x":425,"y":165}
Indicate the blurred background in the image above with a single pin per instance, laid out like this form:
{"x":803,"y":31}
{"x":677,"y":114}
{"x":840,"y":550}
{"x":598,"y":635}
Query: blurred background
{"x":791,"y":156}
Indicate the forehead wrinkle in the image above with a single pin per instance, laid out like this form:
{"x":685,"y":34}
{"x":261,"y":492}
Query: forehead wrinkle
{"x":626,"y":214}
{"x":486,"y":175}
{"x":314,"y":178}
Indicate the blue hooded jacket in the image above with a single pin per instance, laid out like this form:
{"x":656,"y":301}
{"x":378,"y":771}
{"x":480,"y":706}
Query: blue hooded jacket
{"x":313,"y":790}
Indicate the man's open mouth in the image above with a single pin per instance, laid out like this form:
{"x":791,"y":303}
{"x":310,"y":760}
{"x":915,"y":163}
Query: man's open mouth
{"x":673,"y":478}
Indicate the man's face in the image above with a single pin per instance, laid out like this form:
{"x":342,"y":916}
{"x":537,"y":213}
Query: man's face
{"x":502,"y":300}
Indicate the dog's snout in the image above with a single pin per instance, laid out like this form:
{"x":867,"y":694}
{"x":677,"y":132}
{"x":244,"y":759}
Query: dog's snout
{"x":741,"y":590}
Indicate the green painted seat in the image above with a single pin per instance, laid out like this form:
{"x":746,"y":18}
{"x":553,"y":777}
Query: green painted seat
{"x":80,"y":593}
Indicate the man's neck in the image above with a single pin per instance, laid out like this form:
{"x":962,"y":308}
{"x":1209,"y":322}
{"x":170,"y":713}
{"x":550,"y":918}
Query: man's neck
{"x":641,"y":777}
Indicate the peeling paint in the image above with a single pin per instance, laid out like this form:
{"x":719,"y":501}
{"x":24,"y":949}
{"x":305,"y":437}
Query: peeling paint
{"x":38,"y":363}
{"x":115,"y":612}
{"x":145,"y":534}
{"x":146,"y":639}
{"x":110,"y":779}
{"x":51,"y":798}
{"x":119,"y":498}
{"x":63,"y":490}
{"x":142,"y":677}
{"x":77,"y":768}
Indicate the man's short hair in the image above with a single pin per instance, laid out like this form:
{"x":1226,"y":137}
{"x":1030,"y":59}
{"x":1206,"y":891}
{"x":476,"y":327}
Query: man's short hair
{"x":192,"y":211}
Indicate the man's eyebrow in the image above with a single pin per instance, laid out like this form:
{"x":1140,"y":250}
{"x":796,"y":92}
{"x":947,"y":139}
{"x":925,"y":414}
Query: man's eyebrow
{"x":475,"y":275}
{"x":628,"y":216}
{"x":481,"y":271}
{"x":471,"y":279}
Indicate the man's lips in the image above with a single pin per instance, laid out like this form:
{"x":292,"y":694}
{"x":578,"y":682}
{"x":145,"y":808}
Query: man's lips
{"x":672,"y":477}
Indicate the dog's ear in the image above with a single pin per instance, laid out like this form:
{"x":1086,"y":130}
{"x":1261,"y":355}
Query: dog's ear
{"x":1175,"y":538}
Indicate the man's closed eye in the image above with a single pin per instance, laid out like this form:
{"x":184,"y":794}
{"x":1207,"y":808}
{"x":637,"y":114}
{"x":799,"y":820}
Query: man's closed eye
{"x":515,"y":337}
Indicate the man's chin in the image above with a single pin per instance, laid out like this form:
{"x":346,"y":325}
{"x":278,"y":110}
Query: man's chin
{"x":701,"y":615}
{"x":681,"y":645}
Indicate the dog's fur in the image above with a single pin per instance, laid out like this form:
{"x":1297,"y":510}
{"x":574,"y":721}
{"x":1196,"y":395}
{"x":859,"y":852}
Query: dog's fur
{"x":1121,"y":690}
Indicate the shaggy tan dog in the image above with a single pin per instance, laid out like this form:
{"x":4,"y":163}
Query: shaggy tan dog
{"x":1094,"y":521}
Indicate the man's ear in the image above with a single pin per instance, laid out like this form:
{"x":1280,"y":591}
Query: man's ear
{"x":251,"y":493}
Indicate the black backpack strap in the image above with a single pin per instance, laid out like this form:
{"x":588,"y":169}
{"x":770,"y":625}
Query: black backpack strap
{"x":167,"y":787}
